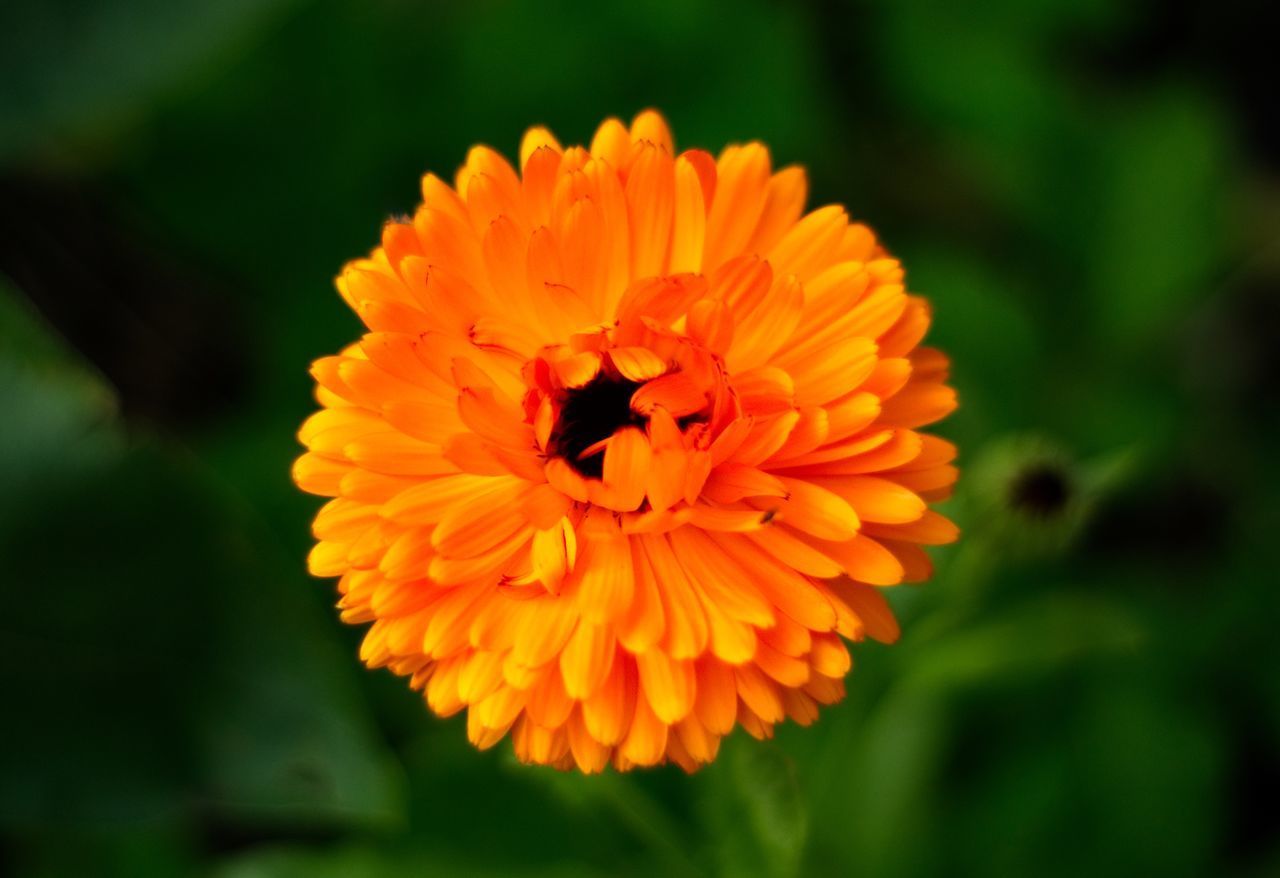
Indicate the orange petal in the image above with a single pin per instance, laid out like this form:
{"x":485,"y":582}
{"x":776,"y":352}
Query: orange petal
{"x":872,"y":608}
{"x":644,"y":623}
{"x":667,"y":683}
{"x":429,"y":501}
{"x":829,"y":656}
{"x":481,"y":521}
{"x":796,"y":553}
{"x":742,"y":178}
{"x":607,"y":584}
{"x":626,"y":468}
{"x":612,"y":142}
{"x":759,"y":693}
{"x":649,"y":125}
{"x":668,"y":464}
{"x":710,"y":324}
{"x":717,"y":574}
{"x":564,"y":478}
{"x":483,"y":413}
{"x":781,"y":585}
{"x":534,"y":139}
{"x":408,"y":557}
{"x":662,"y":298}
{"x":817,"y":511}
{"x":397,"y":455}
{"x":814,"y":461}
{"x":764,"y":391}
{"x":646,"y":739}
{"x":637,"y":363}
{"x":486,"y":565}
{"x":731,"y":482}
{"x":902,"y":447}
{"x":876,"y":499}
{"x":676,"y":392}
{"x":543,"y":631}
{"x":713,"y":518}
{"x":607,"y":713}
{"x":784,"y":669}
{"x":589,"y":754}
{"x":864,"y":559}
{"x":552,"y":554}
{"x":917,"y":405}
{"x":931,"y":529}
{"x":686,"y":628}
{"x":689,"y":219}
{"x":577,"y":370}
{"x":716,"y":703}
{"x":765,"y":437}
{"x":549,"y":705}
{"x":587,"y":658}
{"x":651,"y":200}
{"x":833,"y":371}
{"x":784,"y":203}
{"x":810,"y":431}
{"x":762,"y":329}
{"x":321,"y":475}
{"x":809,"y":246}
{"x":851,"y":414}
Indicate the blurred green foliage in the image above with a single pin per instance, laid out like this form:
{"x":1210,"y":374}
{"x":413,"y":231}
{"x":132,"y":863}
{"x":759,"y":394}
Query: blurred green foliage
{"x":1083,"y":189}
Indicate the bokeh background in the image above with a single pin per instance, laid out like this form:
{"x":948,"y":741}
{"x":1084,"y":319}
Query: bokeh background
{"x":1088,"y":191}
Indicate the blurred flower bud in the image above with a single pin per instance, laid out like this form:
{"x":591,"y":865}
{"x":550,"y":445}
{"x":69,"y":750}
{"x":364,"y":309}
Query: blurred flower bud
{"x":1032,"y":496}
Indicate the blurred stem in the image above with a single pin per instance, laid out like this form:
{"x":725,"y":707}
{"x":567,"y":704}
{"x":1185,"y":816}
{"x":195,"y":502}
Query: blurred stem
{"x":968,"y":580}
{"x":649,"y":822}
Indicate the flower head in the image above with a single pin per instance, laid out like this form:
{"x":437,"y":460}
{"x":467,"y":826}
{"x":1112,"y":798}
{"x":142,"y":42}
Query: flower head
{"x":628,"y":449}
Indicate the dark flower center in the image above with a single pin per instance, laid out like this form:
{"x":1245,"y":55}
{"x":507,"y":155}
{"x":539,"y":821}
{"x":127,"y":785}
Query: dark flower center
{"x":589,"y":414}
{"x":1041,"y":491}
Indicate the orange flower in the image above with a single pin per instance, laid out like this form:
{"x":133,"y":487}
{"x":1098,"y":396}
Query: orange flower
{"x":628,"y":449}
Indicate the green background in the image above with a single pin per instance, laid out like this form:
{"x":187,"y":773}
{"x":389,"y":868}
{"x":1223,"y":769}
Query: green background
{"x":1088,"y":192}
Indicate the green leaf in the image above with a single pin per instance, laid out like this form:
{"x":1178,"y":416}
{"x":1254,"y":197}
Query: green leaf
{"x":360,"y":861}
{"x":75,"y":70}
{"x":1035,"y":637}
{"x":1159,"y":224}
{"x":157,"y":612}
{"x":60,"y":417}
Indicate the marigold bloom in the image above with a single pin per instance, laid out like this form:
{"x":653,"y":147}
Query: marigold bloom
{"x":628,"y":449}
